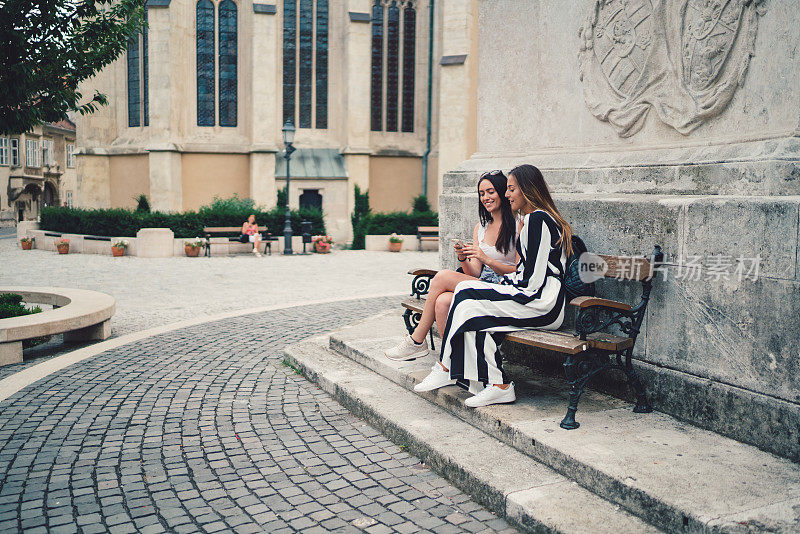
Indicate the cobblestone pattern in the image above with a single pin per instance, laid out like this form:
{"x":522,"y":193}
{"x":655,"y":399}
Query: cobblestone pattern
{"x":205,"y":430}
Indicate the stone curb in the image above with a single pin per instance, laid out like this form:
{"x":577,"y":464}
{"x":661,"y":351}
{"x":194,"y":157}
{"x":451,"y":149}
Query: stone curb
{"x":532,"y":496}
{"x":14,"y":383}
{"x":541,"y":442}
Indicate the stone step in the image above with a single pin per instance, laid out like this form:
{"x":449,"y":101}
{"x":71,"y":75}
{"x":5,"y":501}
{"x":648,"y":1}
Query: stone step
{"x":669,"y":473}
{"x":529,"y":494}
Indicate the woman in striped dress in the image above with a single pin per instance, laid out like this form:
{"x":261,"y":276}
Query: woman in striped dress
{"x":530,"y":298}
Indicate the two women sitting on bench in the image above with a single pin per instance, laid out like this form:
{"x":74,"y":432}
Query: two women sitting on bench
{"x":473,"y":314}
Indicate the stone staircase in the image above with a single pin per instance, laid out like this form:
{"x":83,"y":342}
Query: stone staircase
{"x":619,"y":472}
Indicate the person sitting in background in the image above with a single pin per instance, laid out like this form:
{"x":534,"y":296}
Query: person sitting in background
{"x":250,"y":233}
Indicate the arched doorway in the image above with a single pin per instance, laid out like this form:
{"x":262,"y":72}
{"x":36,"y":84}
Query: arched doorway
{"x":49,"y":195}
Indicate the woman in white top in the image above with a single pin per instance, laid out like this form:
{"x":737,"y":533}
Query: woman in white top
{"x":491,"y":255}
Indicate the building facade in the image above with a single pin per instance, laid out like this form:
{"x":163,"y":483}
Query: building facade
{"x":37,"y":169}
{"x":198,"y":102}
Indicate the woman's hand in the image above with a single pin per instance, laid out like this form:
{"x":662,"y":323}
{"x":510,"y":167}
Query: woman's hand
{"x":475,"y":252}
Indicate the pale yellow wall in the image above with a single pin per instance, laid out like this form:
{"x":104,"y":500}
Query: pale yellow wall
{"x":130,"y":177}
{"x":394,"y":182}
{"x":206,"y":175}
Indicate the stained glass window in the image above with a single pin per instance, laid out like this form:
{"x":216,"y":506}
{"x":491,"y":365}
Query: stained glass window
{"x":376,"y":82}
{"x":205,"y":63}
{"x":145,"y":77}
{"x":322,"y":65}
{"x":289,"y":58}
{"x":409,"y":42}
{"x":392,"y":65}
{"x":133,"y":81}
{"x":227,"y":63}
{"x":305,"y":63}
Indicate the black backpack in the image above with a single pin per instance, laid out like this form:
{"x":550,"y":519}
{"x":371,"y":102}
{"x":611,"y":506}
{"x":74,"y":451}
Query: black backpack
{"x":572,"y":281}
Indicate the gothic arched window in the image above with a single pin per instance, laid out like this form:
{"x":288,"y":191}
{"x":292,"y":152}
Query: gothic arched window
{"x":305,"y":63}
{"x":376,"y":82}
{"x":217,"y":60}
{"x":205,"y":63}
{"x":227,"y":63}
{"x":138,"y":112}
{"x":393,"y":46}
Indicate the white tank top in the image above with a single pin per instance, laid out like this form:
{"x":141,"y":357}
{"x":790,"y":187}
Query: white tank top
{"x":506,"y":259}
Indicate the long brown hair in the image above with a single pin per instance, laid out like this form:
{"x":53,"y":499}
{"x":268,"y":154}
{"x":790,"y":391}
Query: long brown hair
{"x":537,"y":194}
{"x":508,"y":229}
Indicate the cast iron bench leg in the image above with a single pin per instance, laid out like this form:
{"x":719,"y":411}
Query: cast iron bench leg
{"x":642,"y":406}
{"x":575,"y":391}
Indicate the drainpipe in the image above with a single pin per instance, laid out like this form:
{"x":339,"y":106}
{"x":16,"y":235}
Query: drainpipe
{"x":430,"y":95}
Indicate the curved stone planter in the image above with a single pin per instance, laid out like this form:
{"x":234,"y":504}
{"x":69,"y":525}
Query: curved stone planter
{"x":79,"y":314}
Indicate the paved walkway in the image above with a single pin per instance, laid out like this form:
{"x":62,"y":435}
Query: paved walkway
{"x":156,"y":291}
{"x":204,"y":429}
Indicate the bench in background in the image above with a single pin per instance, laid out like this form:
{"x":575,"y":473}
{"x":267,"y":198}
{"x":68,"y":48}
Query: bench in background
{"x":427,"y":233}
{"x":225,"y":231}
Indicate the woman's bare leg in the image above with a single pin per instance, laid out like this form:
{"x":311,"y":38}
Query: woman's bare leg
{"x":444,"y":281}
{"x":442,"y":308}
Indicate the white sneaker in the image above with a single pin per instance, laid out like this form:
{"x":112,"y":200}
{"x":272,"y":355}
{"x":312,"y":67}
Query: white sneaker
{"x":492,"y":395}
{"x":475,"y":387}
{"x":408,"y":349}
{"x":438,"y":378}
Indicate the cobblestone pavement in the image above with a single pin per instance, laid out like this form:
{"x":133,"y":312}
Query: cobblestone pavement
{"x":204,"y":429}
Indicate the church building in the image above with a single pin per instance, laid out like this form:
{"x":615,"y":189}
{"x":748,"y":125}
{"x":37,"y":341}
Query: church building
{"x":382,"y":94}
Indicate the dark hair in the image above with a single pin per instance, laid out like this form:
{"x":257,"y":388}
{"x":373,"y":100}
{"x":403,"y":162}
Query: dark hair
{"x":508,"y":228}
{"x":537,"y":194}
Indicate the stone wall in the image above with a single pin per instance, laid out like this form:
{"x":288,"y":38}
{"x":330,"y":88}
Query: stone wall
{"x":659,"y":122}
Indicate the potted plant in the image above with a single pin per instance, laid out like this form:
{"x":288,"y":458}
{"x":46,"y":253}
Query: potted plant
{"x":322,"y":243}
{"x":62,"y":245}
{"x":192,"y":246}
{"x":27,"y":242}
{"x":118,"y":247}
{"x":395,"y":243}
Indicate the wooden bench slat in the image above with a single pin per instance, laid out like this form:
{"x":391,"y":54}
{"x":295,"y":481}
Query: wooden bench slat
{"x":230,"y":229}
{"x":418,"y":272}
{"x":427,"y":229}
{"x":557,"y":340}
{"x":585,"y":302}
{"x":552,"y":340}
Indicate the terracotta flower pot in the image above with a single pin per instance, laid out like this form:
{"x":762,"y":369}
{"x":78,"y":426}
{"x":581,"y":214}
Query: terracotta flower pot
{"x":63,"y":249}
{"x":395,"y":247}
{"x":26,"y":245}
{"x":322,"y":248}
{"x":117,"y":251}
{"x":192,"y":252}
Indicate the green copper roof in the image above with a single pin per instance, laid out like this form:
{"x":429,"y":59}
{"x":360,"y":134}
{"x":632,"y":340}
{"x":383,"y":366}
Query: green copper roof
{"x":312,"y":163}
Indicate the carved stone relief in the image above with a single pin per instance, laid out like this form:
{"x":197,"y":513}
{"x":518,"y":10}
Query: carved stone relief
{"x":682,"y":58}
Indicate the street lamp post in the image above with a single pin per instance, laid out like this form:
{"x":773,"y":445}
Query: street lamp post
{"x":288,"y":139}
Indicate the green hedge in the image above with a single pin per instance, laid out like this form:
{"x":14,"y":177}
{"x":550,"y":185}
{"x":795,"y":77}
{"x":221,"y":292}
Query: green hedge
{"x":125,"y":223}
{"x":394,"y":222}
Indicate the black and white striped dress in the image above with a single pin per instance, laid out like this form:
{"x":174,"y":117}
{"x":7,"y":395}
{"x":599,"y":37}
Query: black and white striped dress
{"x":530,"y":298}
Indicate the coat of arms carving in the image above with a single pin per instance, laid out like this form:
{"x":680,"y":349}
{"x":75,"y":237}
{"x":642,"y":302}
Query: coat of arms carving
{"x":682,"y":58}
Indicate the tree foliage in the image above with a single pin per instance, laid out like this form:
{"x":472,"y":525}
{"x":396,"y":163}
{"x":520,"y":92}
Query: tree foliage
{"x":48,"y":47}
